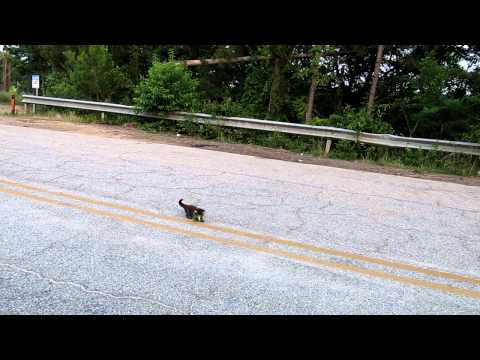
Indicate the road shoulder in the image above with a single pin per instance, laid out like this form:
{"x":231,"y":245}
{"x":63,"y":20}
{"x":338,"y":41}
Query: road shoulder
{"x":112,"y":131}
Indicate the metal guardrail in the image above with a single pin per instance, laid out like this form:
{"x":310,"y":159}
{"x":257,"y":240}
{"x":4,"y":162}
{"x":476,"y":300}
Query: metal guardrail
{"x":246,"y":123}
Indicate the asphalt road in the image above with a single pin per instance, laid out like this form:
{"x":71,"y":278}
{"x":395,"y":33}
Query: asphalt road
{"x":91,"y":225}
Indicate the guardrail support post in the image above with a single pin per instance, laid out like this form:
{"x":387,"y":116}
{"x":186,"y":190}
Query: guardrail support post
{"x":103,"y":115}
{"x":327,"y":146}
{"x":36,"y":94}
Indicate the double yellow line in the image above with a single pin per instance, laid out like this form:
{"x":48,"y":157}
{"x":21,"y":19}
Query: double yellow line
{"x":260,"y":237}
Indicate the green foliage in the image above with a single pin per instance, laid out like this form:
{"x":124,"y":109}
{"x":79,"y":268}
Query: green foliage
{"x":358,"y":120}
{"x":361,"y":121}
{"x":4,"y":97}
{"x":299,"y":106}
{"x":228,"y":107}
{"x":171,"y":55}
{"x":431,"y":161}
{"x":333,"y":120}
{"x":473,"y":133}
{"x":256,"y":90}
{"x":431,"y":80}
{"x":91,"y":75}
{"x":13,"y":91}
{"x":423,"y":91}
{"x":432,"y":102}
{"x":168,"y":87}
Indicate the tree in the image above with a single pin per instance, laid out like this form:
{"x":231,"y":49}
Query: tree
{"x":37,"y":59}
{"x":423,"y":89}
{"x":280,"y":56}
{"x":6,"y":75}
{"x":91,"y":74}
{"x":317,"y":78}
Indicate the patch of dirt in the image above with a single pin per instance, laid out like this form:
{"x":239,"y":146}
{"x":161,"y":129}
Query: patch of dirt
{"x":5,"y":108}
{"x":112,"y":131}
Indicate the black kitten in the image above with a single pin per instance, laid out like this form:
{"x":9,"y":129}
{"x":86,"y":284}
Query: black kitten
{"x":192,"y":212}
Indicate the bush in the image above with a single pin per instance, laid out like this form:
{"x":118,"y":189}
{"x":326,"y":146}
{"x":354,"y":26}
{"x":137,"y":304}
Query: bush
{"x":473,"y":133}
{"x":358,"y":120}
{"x":227,"y":107}
{"x":333,"y":120}
{"x":4,"y":97}
{"x":362,"y":121}
{"x":168,"y":87}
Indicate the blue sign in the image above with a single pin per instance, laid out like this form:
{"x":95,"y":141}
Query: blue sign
{"x":35,"y":81}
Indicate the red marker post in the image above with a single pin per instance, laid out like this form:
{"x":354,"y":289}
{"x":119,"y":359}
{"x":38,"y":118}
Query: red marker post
{"x":13,"y":103}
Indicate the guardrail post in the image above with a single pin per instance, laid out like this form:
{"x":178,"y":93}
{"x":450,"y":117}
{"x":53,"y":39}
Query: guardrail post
{"x":36,"y":94}
{"x":327,"y":146}
{"x":103,"y":115}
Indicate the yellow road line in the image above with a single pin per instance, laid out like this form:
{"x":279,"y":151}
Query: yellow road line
{"x":266,"y":238}
{"x":241,"y":244}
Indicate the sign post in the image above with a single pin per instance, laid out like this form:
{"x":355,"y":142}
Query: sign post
{"x":35,"y":85}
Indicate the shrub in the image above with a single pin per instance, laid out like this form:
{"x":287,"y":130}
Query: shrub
{"x":4,"y":97}
{"x":357,"y":120}
{"x":473,"y":133}
{"x":168,"y":87}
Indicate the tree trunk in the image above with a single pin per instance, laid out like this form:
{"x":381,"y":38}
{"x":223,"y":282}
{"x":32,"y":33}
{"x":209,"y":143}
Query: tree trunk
{"x":197,"y":62}
{"x":376,"y":73}
{"x":311,"y":98}
{"x":4,"y":74}
{"x":339,"y":99}
{"x":273,"y":106}
{"x":7,"y":74}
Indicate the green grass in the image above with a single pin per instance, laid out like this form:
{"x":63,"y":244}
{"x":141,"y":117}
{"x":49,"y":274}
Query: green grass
{"x":412,"y":159}
{"x":433,"y":161}
{"x":81,"y":116}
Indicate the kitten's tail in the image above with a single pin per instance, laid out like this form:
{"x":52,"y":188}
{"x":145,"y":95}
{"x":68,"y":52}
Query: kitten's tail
{"x":180,"y":203}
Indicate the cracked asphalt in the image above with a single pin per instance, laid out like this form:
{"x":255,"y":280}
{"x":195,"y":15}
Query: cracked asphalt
{"x":65,"y":249}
